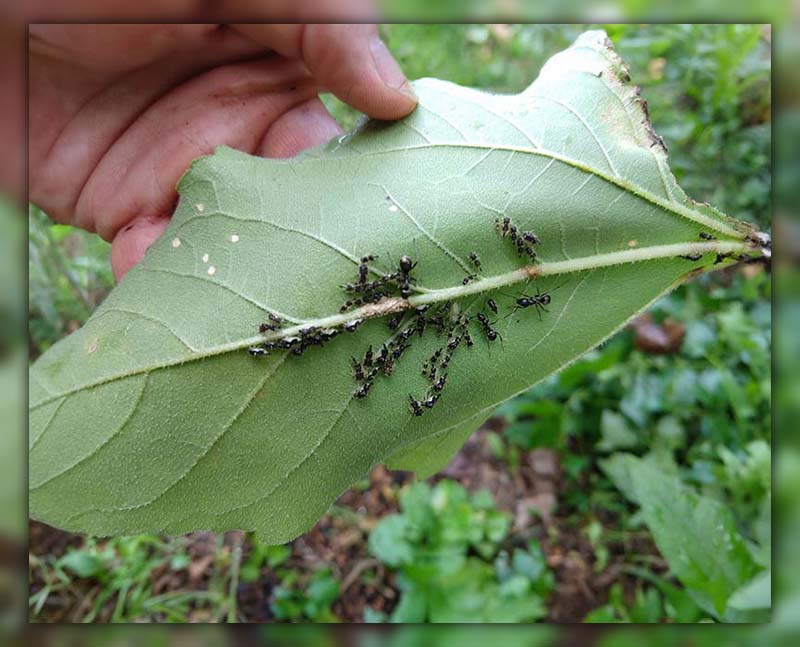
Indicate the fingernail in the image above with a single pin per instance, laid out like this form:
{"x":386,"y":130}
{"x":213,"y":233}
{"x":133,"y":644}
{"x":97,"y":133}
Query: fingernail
{"x":388,"y":68}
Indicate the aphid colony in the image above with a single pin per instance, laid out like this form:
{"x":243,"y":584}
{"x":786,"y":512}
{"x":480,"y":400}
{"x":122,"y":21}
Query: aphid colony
{"x":523,"y":240}
{"x":446,"y":320}
{"x":373,"y":291}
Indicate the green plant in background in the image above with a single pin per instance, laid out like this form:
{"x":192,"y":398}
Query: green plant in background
{"x":309,"y":603}
{"x":121,"y":571}
{"x":448,"y":549}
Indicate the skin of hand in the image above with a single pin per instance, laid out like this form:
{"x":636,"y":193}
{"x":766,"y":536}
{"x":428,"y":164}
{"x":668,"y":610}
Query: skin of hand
{"x":117,"y":112}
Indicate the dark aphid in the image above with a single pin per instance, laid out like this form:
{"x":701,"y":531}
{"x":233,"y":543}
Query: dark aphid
{"x":436,"y":355}
{"x":351,"y":326}
{"x":420,"y":325}
{"x":298,"y":350}
{"x":492,"y":305}
{"x":423,"y":309}
{"x":275,"y":318}
{"x":363,"y":269}
{"x":416,"y":409}
{"x":530,"y":238}
{"x":257,"y":351}
{"x":512,"y":233}
{"x":289,"y":342}
{"x":380,"y":360}
{"x":395,"y":321}
{"x":363,"y":390}
{"x":307,"y":332}
{"x":349,"y":303}
{"x":430,"y":401}
{"x":439,"y":384}
{"x":691,"y":257}
{"x":378,"y":296}
{"x":468,"y":339}
{"x":706,"y":236}
{"x":453,"y":343}
{"x":266,"y":327}
{"x":388,"y":367}
{"x":476,"y":261}
{"x":399,"y":350}
{"x":406,"y":334}
{"x":469,"y":278}
{"x":358,"y":370}
{"x":503,"y":225}
{"x":368,"y":357}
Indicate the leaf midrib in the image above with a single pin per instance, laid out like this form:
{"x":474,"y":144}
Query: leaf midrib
{"x":518,"y":275}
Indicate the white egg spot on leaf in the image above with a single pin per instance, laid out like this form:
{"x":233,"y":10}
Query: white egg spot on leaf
{"x":211,"y":270}
{"x":392,"y":208}
{"x":200,"y":207}
{"x":205,"y":258}
{"x":234,"y":238}
{"x":176,"y":242}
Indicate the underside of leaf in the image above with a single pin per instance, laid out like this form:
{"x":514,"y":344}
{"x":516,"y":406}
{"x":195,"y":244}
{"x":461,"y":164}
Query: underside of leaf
{"x":155,"y":417}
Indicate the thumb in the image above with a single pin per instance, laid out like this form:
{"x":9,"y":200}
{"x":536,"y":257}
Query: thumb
{"x":351,"y":61}
{"x":132,"y":241}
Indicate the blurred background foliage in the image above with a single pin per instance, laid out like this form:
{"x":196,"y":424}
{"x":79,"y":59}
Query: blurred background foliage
{"x":633,"y":486}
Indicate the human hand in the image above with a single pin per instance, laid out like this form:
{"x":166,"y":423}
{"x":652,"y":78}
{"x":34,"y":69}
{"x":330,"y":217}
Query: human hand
{"x":117,"y":112}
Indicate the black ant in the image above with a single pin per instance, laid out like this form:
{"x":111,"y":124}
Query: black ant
{"x":416,"y":409}
{"x":491,"y":333}
{"x":406,"y":265}
{"x":538,"y":301}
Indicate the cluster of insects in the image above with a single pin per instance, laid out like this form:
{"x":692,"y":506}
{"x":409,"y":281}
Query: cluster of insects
{"x":297,"y":344}
{"x":523,"y":240}
{"x":397,"y":282}
{"x":447,"y":321}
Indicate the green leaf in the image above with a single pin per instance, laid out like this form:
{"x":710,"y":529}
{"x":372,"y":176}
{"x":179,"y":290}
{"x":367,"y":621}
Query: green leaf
{"x":82,"y":563}
{"x":154,"y":417}
{"x":755,"y":594}
{"x":697,"y":535}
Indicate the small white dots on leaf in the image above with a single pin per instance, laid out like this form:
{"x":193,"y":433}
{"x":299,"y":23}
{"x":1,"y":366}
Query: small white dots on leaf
{"x":212,"y":270}
{"x":205,"y":258}
{"x":176,"y":242}
{"x":392,"y":208}
{"x":633,"y":242}
{"x":200,"y":207}
{"x":234,"y":238}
